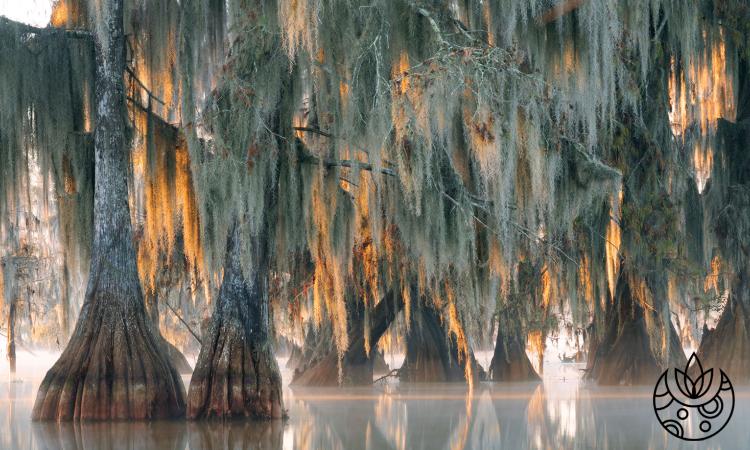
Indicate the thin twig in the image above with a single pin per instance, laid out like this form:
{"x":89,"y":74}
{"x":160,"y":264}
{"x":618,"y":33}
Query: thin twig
{"x":328,"y":162}
{"x":184,"y":323}
{"x":389,"y":374}
{"x":21,"y":346}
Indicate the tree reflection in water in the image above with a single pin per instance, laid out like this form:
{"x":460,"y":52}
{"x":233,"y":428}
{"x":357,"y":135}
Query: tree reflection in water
{"x":121,"y":435}
{"x":560,"y":413}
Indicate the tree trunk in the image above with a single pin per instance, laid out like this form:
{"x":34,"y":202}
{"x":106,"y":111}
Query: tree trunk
{"x":237,"y":375}
{"x":593,"y":341}
{"x":176,"y":357}
{"x":510,"y":361}
{"x":430,"y":355}
{"x":12,"y":336}
{"x":727,"y":347}
{"x":624,"y":355}
{"x":356,"y":365}
{"x":114,"y":366}
{"x":300,"y":357}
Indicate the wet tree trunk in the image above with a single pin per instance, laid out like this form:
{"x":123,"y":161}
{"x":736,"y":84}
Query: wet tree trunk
{"x":356,"y":365}
{"x":727,"y":347}
{"x":624,"y":355}
{"x":510,"y":361}
{"x":12,"y":336}
{"x":237,"y":375}
{"x":114,"y":366}
{"x":430,"y":355}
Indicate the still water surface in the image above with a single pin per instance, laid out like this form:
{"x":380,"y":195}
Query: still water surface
{"x":563,"y":412}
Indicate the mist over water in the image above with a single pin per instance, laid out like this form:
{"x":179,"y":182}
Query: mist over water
{"x":562,"y":412}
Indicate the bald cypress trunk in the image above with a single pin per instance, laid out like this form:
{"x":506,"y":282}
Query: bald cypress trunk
{"x":357,"y":365}
{"x":175,"y":355}
{"x":431,"y":354}
{"x":624,"y":356}
{"x":727,"y":347}
{"x":237,"y":375}
{"x":114,"y":366}
{"x":510,"y":361}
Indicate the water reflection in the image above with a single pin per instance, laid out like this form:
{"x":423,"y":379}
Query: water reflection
{"x":235,"y":435}
{"x":110,"y":435}
{"x":563,"y":412}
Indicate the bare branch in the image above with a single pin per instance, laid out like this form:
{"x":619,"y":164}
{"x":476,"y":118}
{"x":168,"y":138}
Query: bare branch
{"x":130,"y":71}
{"x":184,"y":323}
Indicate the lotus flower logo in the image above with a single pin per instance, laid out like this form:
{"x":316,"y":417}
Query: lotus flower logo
{"x":696,"y":414}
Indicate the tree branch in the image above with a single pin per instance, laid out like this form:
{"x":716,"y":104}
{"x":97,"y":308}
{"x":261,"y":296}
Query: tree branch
{"x":128,"y":70}
{"x":328,"y":162}
{"x":313,"y":130}
{"x":184,"y":323}
{"x":74,"y":33}
{"x":21,"y":346}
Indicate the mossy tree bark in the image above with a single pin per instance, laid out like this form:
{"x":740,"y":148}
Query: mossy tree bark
{"x":357,"y":365}
{"x":114,"y":366}
{"x":236,"y":375}
{"x":624,"y":356}
{"x":510,"y":361}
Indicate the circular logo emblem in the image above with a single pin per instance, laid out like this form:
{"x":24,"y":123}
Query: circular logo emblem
{"x":693,"y":411}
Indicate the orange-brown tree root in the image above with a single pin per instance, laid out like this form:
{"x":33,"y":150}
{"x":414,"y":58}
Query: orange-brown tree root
{"x":510,"y":361}
{"x":624,"y":356}
{"x":114,"y":366}
{"x":236,"y":375}
{"x":356,"y":365}
{"x":430,"y":355}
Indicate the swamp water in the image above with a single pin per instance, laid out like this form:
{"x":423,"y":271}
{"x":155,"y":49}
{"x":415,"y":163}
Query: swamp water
{"x":562,"y":412}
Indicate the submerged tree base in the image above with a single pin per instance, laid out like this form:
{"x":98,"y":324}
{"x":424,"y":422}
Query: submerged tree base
{"x":624,"y":356}
{"x":727,"y":347}
{"x":114,"y":367}
{"x":432,"y":356}
{"x":236,"y":375}
{"x":510,"y":361}
{"x":356,"y":365}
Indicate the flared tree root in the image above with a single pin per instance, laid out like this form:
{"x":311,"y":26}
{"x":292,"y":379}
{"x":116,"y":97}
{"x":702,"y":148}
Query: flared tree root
{"x":727,"y":347}
{"x":114,"y":366}
{"x":624,"y":356}
{"x":431,"y":357}
{"x":510,"y":361}
{"x":236,"y":375}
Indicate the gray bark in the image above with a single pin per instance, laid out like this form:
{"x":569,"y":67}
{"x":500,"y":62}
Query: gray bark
{"x":114,"y":366}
